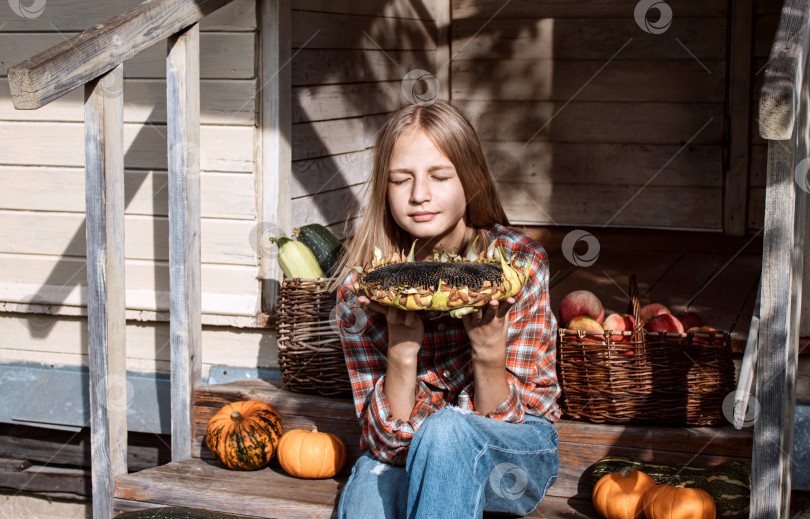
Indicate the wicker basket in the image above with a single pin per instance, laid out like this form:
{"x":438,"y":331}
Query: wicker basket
{"x":648,"y":378}
{"x":310,"y":355}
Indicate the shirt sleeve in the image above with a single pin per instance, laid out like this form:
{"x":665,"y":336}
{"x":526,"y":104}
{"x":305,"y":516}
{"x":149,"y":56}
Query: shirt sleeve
{"x":530,"y":345}
{"x":365,"y":343}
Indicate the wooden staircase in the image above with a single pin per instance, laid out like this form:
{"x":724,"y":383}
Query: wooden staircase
{"x":204,"y":483}
{"x":194,"y":479}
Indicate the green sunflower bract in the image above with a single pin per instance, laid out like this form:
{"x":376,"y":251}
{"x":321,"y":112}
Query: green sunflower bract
{"x":450,"y":282}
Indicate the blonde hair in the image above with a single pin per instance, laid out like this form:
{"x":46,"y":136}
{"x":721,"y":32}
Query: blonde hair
{"x":455,"y":137}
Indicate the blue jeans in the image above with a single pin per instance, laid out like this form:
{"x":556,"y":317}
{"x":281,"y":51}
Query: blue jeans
{"x":459,"y":465}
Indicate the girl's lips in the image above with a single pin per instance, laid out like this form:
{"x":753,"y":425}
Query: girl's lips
{"x":423,"y":217}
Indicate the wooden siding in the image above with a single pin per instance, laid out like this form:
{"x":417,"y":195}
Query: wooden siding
{"x":348,"y":62}
{"x":63,"y":340}
{"x":42,"y":222}
{"x":589,"y":120}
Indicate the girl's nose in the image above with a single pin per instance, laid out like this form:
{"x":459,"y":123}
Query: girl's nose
{"x":420,"y":192}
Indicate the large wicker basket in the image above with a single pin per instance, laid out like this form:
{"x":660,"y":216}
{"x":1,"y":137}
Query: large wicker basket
{"x":310,"y":355}
{"x":648,"y":378}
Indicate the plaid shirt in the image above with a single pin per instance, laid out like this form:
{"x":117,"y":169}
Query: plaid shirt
{"x":444,"y":367}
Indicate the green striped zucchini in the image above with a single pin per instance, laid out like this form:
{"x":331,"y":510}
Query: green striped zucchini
{"x":729,"y":483}
{"x":296,"y":259}
{"x":324,"y":245}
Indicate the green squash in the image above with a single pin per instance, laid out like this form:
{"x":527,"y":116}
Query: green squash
{"x":323,"y":244}
{"x":729,"y":483}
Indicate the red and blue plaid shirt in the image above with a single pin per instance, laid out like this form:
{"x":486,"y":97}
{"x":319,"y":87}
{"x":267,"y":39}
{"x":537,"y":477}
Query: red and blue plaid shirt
{"x":444,"y":367}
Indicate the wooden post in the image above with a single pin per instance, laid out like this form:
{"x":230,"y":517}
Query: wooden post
{"x":778,"y":336}
{"x":183,"y":124}
{"x":104,"y":193}
{"x":275,"y":163}
{"x":735,"y":190}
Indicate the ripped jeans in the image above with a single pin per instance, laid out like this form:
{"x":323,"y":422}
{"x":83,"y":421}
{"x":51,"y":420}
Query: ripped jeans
{"x":459,"y":465}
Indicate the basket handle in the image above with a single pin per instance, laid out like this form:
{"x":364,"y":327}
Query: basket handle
{"x":634,"y":307}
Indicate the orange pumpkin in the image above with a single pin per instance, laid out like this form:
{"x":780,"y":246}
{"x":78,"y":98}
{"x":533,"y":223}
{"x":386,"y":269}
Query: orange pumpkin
{"x":670,"y":502}
{"x":245,"y":435}
{"x":311,"y":454}
{"x":619,"y":495}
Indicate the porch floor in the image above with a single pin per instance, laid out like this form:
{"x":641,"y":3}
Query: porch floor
{"x":197,"y":483}
{"x":202,"y":482}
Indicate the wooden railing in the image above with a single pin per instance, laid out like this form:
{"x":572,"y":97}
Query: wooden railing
{"x":95,"y":59}
{"x":783,"y":121}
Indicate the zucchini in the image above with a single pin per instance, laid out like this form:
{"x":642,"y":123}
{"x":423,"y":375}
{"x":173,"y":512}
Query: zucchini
{"x":296,"y":260}
{"x":729,"y":483}
{"x":323,"y":244}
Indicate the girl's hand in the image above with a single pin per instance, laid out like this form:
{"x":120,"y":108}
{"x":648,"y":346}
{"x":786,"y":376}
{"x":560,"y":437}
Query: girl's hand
{"x":405,"y":328}
{"x":487,"y":328}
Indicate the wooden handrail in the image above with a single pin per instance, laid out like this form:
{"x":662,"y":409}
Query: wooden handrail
{"x":56,"y":71}
{"x":95,"y":59}
{"x":784,"y":110}
{"x":781,"y":86}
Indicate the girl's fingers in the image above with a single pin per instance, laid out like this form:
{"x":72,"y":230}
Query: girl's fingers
{"x":367,"y":304}
{"x":504,"y":307}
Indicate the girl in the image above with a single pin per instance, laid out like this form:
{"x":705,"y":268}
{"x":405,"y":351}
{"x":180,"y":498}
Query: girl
{"x":456,"y":414}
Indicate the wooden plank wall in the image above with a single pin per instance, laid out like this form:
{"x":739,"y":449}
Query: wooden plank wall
{"x":348,"y":62}
{"x":580,"y":109}
{"x":42,"y":231}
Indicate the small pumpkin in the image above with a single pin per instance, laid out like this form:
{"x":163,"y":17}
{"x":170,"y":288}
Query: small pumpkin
{"x":311,"y":454}
{"x":671,"y":502}
{"x":245,"y":435}
{"x":619,"y":495}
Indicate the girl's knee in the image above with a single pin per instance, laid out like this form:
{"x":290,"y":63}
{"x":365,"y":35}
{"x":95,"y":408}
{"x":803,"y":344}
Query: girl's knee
{"x":374,"y":490}
{"x":446,"y":424}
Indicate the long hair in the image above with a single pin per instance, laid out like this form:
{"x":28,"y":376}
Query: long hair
{"x":455,"y":137}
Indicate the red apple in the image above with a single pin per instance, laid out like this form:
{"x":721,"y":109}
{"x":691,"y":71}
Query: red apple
{"x":664,"y":323}
{"x":652,"y":310}
{"x":619,"y":323}
{"x":702,"y":329}
{"x":583,"y":322}
{"x":690,"y":320}
{"x":581,"y":302}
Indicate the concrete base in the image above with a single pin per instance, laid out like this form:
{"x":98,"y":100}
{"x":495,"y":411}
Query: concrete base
{"x":33,"y":507}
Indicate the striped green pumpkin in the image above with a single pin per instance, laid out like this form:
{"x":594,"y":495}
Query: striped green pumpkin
{"x":245,"y":435}
{"x":729,"y":483}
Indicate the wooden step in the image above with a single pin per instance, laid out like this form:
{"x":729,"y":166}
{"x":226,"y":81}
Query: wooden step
{"x":267,"y":493}
{"x":581,"y":444}
{"x":205,"y":483}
